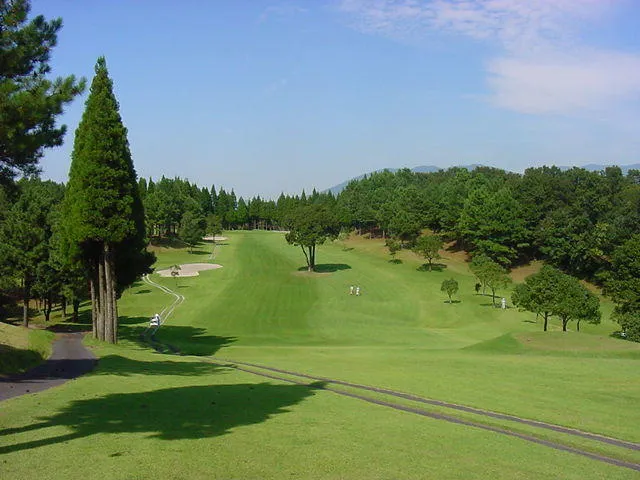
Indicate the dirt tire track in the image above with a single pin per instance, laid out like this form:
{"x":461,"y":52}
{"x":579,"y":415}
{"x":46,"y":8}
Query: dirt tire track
{"x":247,"y":367}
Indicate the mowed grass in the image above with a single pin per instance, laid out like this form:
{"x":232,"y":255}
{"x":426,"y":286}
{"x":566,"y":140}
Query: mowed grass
{"x":400,"y":333}
{"x":148,"y":415}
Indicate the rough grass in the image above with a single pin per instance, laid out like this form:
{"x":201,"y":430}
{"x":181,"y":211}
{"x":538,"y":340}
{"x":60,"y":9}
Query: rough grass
{"x":21,"y":348}
{"x":147,"y":415}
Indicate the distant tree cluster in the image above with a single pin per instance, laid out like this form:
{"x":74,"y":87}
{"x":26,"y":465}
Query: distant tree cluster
{"x":584,"y":223}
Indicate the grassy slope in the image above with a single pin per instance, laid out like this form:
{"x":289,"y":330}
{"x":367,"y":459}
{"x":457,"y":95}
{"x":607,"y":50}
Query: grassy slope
{"x":21,"y":349}
{"x":401,"y":334}
{"x":227,"y":424}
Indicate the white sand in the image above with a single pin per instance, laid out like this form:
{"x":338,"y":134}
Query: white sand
{"x":216,"y":238}
{"x":190,"y":269}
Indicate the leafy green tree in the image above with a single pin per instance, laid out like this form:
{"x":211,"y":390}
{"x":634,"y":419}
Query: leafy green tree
{"x":25,"y":235}
{"x":29,"y":102}
{"x":404,"y":226}
{"x":493,"y":224}
{"x":450,"y":287}
{"x":624,"y":286}
{"x":310,"y":226}
{"x":393,"y":246}
{"x":429,"y":247}
{"x":102,"y":210}
{"x":192,"y":229}
{"x":213,"y":225}
{"x":575,"y":302}
{"x":539,"y":293}
{"x":491,"y":274}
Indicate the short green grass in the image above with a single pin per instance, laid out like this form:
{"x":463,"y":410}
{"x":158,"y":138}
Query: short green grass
{"x":148,"y":415}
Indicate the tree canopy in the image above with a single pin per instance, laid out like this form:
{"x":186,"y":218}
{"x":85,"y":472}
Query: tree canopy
{"x":310,"y":226}
{"x":29,"y":101}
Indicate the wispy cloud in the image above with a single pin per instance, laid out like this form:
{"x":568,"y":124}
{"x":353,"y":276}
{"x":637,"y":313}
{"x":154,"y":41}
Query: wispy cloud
{"x":280,"y":11}
{"x":544,"y":65}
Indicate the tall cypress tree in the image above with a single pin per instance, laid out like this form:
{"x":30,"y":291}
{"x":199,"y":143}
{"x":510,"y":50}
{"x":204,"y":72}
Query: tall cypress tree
{"x":103,"y":212}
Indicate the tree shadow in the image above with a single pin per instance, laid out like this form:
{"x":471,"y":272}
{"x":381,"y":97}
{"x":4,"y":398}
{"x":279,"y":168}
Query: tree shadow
{"x":167,"y":242}
{"x":452,"y":301}
{"x":435,"y":267}
{"x":199,"y":252}
{"x":191,"y":412}
{"x":124,"y":320}
{"x":123,"y":366}
{"x":347,"y":249}
{"x":140,"y":292}
{"x":172,"y":338}
{"x":15,"y":360}
{"x":191,"y":340}
{"x":327,"y":267}
{"x":395,"y":261}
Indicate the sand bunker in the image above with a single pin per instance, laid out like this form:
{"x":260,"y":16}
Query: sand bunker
{"x":216,"y":238}
{"x":190,"y":269}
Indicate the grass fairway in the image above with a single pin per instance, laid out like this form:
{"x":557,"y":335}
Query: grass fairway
{"x":148,"y":415}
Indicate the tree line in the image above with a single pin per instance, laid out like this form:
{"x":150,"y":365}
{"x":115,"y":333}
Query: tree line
{"x":88,"y":239}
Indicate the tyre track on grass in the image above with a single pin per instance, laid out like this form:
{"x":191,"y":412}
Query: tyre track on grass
{"x":324,"y":383}
{"x":148,"y":335}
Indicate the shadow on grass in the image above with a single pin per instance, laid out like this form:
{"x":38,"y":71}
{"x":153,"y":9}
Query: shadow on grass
{"x":395,"y":261}
{"x":199,"y":252}
{"x":69,"y":325}
{"x":347,"y":249}
{"x":15,"y":360}
{"x":191,"y":412}
{"x":435,"y":267}
{"x":185,"y":339}
{"x":452,"y":301}
{"x":140,"y":292}
{"x":123,"y":366}
{"x":328,"y":267}
{"x":167,"y":242}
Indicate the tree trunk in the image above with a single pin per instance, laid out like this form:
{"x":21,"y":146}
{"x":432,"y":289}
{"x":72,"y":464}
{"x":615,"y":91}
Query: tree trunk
{"x":546,"y":319}
{"x":109,"y":294}
{"x":76,"y":308}
{"x":493,"y":296}
{"x":25,"y":310}
{"x":25,"y":302}
{"x":306,"y":257}
{"x":102,"y":299}
{"x":578,"y":326}
{"x":47,"y":309}
{"x":312,"y":258}
{"x":114,"y":296}
{"x":95,"y":304}
{"x":564,"y":324}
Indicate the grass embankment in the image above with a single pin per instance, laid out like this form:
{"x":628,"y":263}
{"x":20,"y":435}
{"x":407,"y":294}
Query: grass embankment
{"x":399,"y":334}
{"x":21,"y":349}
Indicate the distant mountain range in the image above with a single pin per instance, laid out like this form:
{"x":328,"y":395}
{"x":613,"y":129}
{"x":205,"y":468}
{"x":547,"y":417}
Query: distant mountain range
{"x":594,"y":167}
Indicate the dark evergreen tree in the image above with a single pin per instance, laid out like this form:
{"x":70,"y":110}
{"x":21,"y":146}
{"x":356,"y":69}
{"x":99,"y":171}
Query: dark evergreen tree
{"x":29,"y":102}
{"x":102,"y":209}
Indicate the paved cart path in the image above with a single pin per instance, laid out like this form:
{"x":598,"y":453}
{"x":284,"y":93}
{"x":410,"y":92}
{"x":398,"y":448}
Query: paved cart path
{"x":70,"y":359}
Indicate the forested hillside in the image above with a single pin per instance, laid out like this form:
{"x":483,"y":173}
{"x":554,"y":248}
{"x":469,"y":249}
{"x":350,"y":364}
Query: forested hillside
{"x":585,"y":223}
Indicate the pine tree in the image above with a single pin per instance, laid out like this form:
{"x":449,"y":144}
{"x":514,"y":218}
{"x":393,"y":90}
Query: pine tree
{"x":103,"y":212}
{"x":29,"y":102}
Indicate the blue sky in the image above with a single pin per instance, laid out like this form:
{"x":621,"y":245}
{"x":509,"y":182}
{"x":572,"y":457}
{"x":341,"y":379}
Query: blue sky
{"x":272,"y":96}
